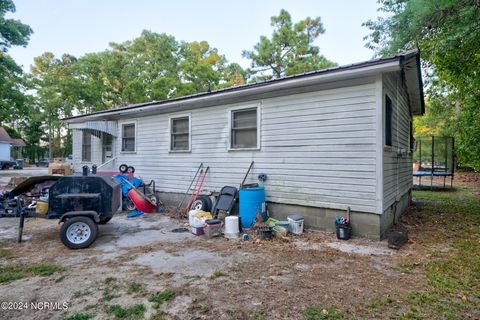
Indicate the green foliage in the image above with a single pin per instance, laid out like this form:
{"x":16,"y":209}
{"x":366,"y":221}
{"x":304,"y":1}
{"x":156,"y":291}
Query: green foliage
{"x":217,"y":274}
{"x":134,"y":287}
{"x":290,"y":49}
{"x":134,"y":312}
{"x":12,"y":32}
{"x":79,"y":316}
{"x":12,"y":84}
{"x":447,"y":34}
{"x":161,"y":297}
{"x":320,"y":313}
{"x":453,"y":286}
{"x":14,"y":272}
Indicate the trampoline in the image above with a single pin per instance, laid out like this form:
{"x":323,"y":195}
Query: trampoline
{"x":434,"y":157}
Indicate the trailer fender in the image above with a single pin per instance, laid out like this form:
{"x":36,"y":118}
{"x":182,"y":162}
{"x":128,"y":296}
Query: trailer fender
{"x":91,"y":214}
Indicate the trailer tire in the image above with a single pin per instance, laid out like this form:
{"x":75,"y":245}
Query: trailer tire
{"x":78,"y":232}
{"x":202,"y":203}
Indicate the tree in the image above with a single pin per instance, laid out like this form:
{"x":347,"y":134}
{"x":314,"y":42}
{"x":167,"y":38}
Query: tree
{"x":447,"y":33}
{"x":12,"y":33}
{"x":55,"y":95}
{"x":290,"y":50}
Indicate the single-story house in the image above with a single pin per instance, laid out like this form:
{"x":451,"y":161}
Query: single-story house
{"x":327,"y":140}
{"x":6,"y":143}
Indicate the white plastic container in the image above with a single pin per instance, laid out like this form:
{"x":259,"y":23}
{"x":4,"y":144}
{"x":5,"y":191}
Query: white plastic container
{"x":232,"y":227}
{"x":191,"y":217}
{"x":296,"y":223}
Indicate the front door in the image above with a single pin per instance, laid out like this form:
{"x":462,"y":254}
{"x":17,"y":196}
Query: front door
{"x":107,"y":153}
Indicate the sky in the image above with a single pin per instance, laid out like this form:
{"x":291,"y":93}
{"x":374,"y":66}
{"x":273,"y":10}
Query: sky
{"x":81,"y":26}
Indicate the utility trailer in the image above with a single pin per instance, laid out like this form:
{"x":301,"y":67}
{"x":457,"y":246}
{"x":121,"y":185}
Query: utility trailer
{"x":80,"y":203}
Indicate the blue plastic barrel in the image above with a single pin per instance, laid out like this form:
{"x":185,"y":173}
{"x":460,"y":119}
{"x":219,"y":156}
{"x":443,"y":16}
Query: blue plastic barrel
{"x":251,"y":203}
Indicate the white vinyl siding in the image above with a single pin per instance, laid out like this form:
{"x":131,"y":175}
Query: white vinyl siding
{"x":397,"y":160}
{"x":317,"y":148}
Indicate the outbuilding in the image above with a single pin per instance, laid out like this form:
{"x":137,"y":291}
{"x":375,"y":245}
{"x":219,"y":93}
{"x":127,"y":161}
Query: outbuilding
{"x":328,"y":140}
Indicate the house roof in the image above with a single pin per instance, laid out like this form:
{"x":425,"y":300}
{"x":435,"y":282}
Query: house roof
{"x":5,"y":137}
{"x":409,"y":62}
{"x":18,"y":143}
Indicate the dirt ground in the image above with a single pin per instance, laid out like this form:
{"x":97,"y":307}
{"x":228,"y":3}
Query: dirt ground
{"x":135,"y":258}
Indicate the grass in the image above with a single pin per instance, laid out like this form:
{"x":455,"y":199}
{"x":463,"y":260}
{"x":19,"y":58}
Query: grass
{"x":109,"y":295}
{"x":161,"y":297}
{"x":10,"y":273}
{"x":134,"y":287}
{"x":217,"y":274}
{"x":134,"y":312}
{"x":79,"y":316}
{"x":320,"y":313}
{"x":6,"y":254}
{"x":197,"y":305}
{"x":450,"y":219}
{"x":108,"y":291}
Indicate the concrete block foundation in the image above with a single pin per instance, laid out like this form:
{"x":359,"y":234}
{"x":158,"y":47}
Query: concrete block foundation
{"x":369,"y":225}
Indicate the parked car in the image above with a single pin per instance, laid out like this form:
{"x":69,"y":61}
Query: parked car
{"x":6,"y":164}
{"x":44,"y":162}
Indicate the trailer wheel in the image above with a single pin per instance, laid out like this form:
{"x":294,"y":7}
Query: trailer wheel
{"x":78,"y":232}
{"x":202,"y":203}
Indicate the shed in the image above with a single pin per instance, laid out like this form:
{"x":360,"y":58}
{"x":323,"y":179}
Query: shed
{"x":327,"y":140}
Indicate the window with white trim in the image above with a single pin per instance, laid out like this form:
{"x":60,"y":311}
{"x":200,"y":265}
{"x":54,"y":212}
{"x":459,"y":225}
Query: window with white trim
{"x":243,"y":134}
{"x":128,"y":137}
{"x":180,"y":133}
{"x":86,"y":146}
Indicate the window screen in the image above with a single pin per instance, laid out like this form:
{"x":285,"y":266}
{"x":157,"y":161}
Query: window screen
{"x":86,"y":146}
{"x":179,"y":134}
{"x":388,"y":121}
{"x":244,"y":129}
{"x":128,"y":137}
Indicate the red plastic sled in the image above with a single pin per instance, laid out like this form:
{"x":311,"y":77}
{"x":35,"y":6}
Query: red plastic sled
{"x":141,"y":201}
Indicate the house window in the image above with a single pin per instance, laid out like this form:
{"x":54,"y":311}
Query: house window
{"x":388,"y":121}
{"x":244,"y":129}
{"x":128,"y":137}
{"x":180,"y":134}
{"x":86,"y":146}
{"x":412,"y":139}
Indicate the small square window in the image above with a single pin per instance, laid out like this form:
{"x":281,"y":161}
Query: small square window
{"x":244,"y":129}
{"x":180,"y":134}
{"x":86,"y":146}
{"x":128,"y":137}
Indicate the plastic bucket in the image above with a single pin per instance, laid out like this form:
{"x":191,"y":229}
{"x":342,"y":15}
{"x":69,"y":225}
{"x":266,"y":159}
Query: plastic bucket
{"x":344,"y":231}
{"x":251,"y":202}
{"x":296,"y":224}
{"x":232,"y":227}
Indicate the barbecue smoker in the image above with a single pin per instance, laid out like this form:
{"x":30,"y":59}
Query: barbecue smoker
{"x":81,"y":203}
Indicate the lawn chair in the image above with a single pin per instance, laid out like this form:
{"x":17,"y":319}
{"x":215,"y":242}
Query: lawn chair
{"x":225,"y":201}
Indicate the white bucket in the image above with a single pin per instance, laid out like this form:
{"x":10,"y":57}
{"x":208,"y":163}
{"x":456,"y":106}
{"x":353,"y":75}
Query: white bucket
{"x":232,"y":227}
{"x":191,"y":217}
{"x":296,"y":224}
